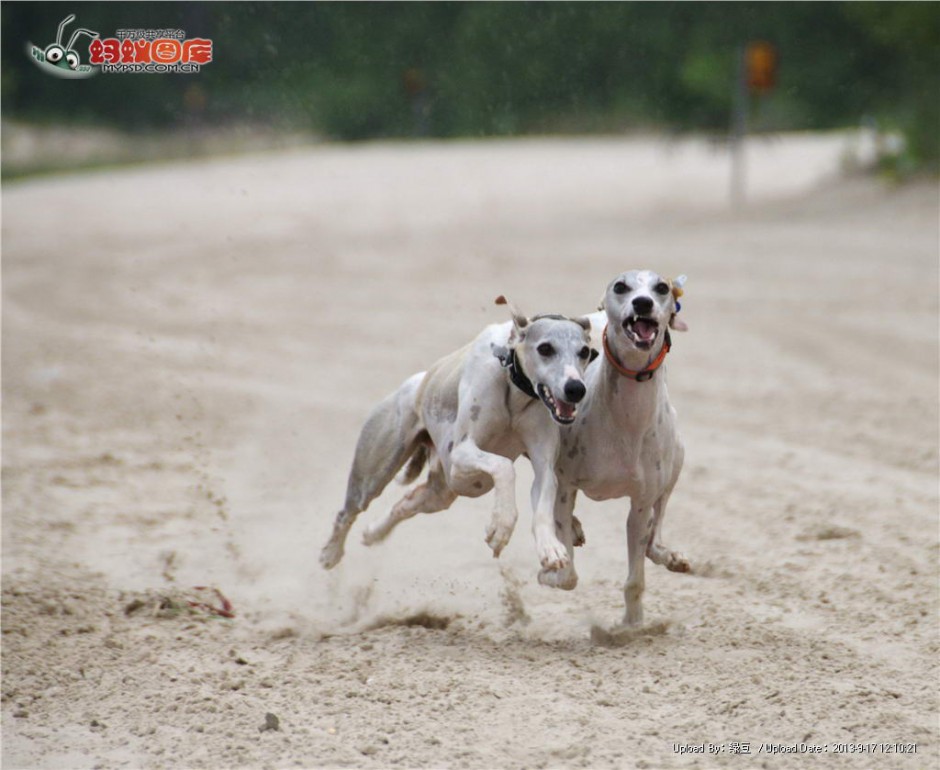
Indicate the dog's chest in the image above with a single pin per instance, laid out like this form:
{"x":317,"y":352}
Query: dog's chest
{"x":606,"y":468}
{"x":507,"y":444}
{"x":616,"y":451}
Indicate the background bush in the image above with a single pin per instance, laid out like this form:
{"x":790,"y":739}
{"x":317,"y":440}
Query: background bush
{"x":497,"y":68}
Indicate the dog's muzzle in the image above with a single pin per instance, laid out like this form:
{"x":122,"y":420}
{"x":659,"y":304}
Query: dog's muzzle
{"x":641,"y":331}
{"x":562,"y":412}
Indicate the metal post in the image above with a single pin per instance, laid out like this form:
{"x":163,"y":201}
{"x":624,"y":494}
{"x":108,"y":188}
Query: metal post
{"x":739,"y":131}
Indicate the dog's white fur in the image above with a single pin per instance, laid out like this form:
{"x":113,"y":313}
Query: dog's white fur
{"x":469,"y":422}
{"x":625,"y":442}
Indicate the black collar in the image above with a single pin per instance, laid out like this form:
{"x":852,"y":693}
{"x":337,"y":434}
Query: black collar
{"x":516,"y":375}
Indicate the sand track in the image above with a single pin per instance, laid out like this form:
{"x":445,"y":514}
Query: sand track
{"x":189,"y":351}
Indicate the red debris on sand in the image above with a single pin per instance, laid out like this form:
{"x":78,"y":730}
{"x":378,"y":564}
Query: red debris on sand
{"x":225,"y":610}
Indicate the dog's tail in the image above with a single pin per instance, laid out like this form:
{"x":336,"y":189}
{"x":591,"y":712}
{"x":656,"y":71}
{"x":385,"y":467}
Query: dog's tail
{"x":419,"y":459}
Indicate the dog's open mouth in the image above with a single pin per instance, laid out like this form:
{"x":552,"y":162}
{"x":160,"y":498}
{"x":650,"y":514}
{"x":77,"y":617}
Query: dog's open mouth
{"x":641,"y":331}
{"x":562,"y":411}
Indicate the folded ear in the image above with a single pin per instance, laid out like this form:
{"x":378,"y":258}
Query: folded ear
{"x":600,"y":305}
{"x":502,"y":354}
{"x":676,"y":323}
{"x":518,"y":319}
{"x":677,"y":285}
{"x":584,"y":322}
{"x":677,"y":291}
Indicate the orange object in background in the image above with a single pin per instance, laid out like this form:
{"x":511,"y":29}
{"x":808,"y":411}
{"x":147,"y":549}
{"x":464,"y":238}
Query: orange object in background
{"x":761,"y":60}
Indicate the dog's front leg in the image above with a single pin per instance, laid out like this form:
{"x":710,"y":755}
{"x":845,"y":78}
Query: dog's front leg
{"x":552,"y":554}
{"x":638,"y":534}
{"x":563,"y":521}
{"x":551,"y":551}
{"x":467,"y":462}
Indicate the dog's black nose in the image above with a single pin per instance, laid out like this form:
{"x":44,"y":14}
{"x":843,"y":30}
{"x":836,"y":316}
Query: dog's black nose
{"x":574,"y":391}
{"x":643,"y":305}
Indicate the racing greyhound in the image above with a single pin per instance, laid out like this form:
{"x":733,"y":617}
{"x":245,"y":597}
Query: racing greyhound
{"x":469,"y":416}
{"x":625,"y":442}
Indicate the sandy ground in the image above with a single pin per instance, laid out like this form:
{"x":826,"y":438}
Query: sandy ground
{"x":189,"y":351}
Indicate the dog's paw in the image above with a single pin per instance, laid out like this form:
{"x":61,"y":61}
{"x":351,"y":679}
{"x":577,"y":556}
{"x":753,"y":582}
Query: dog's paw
{"x":671,"y":560}
{"x":566,"y":579}
{"x":678,"y":563}
{"x":374,"y":533}
{"x":577,"y":532}
{"x":497,"y":537}
{"x":330,"y":555}
{"x":552,"y":553}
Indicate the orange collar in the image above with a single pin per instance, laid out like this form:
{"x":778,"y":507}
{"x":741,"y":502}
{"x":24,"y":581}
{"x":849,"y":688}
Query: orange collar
{"x":643,"y":374}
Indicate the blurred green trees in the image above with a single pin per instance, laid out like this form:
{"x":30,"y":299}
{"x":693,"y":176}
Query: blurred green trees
{"x":364,"y":70}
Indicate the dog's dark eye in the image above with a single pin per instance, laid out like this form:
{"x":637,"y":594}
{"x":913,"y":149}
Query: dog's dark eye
{"x":661,"y":288}
{"x":584,"y":353}
{"x":545,"y":349}
{"x":621,"y":288}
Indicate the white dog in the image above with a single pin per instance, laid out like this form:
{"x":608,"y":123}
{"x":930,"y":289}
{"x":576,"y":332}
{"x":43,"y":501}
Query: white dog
{"x":469,"y":416}
{"x":625,"y":442}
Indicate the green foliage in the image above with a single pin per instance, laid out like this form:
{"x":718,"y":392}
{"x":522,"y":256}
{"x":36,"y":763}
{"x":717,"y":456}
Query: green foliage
{"x":908,"y":35}
{"x":497,"y":68}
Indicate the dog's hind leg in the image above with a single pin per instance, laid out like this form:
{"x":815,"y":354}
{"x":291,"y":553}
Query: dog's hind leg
{"x":391,"y":435}
{"x":655,"y":550}
{"x":432,"y":496}
{"x":577,"y":532}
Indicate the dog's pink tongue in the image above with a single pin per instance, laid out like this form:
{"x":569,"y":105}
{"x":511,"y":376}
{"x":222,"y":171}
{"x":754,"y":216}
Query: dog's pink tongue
{"x":565,"y":410}
{"x":644,"y":329}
